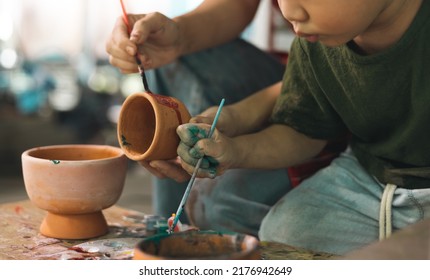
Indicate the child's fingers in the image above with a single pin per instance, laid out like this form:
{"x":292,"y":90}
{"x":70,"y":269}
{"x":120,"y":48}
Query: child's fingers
{"x":184,"y":153}
{"x":191,"y":155}
{"x":202,"y":119}
{"x":202,"y":172}
{"x":191,"y":133}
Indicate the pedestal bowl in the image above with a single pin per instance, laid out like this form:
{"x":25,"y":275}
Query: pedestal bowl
{"x":74,"y":183}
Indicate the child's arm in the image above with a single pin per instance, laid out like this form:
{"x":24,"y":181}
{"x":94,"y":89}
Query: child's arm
{"x":277,"y":146}
{"x":246,"y":116}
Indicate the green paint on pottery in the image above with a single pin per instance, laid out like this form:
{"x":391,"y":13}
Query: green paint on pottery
{"x":124,"y":141}
{"x":54,"y":161}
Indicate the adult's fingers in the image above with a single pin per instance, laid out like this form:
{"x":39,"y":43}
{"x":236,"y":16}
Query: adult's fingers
{"x":171,"y":169}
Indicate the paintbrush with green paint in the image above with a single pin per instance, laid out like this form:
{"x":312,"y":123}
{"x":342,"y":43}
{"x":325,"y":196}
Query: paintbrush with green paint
{"x":136,"y":57}
{"x":196,"y":169}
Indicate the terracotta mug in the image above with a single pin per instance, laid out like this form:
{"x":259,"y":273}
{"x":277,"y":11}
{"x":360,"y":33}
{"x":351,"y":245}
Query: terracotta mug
{"x":147,"y":126}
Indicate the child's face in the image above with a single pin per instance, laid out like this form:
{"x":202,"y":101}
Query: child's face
{"x":332,"y":22}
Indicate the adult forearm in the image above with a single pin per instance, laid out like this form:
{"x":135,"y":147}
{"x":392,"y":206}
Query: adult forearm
{"x":214,"y":22}
{"x":277,"y":146}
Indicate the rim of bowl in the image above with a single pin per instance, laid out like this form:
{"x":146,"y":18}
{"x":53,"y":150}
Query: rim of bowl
{"x":118,"y":152}
{"x":149,"y":98}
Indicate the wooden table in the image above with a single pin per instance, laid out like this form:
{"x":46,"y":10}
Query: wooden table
{"x":20,"y":238}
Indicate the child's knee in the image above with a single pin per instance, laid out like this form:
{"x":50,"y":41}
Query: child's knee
{"x":272,"y":228}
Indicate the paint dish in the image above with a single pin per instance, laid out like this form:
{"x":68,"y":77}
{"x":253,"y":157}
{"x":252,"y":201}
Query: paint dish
{"x":209,"y":245}
{"x":74,"y":183}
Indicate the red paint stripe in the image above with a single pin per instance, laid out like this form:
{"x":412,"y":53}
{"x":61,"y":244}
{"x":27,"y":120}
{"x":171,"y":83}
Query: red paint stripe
{"x":169,"y":102}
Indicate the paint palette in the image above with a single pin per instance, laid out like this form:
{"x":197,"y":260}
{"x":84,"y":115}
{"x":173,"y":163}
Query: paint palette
{"x":197,"y":245}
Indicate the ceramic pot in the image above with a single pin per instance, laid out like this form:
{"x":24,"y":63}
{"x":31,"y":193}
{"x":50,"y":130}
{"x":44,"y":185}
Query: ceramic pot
{"x":198,"y":245}
{"x":74,"y":183}
{"x":147,"y":126}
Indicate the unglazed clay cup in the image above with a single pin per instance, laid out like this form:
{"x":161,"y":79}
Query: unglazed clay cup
{"x":74,"y":183}
{"x":209,"y":245}
{"x":147,"y":126}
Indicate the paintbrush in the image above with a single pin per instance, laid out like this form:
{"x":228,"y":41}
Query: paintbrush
{"x":196,"y":169}
{"x":138,"y":61}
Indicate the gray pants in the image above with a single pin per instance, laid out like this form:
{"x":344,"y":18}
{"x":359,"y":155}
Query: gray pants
{"x":337,"y":210}
{"x":241,"y":198}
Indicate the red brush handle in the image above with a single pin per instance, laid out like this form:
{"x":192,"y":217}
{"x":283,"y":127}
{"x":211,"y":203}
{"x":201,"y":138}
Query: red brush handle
{"x":139,"y":63}
{"x":125,"y":17}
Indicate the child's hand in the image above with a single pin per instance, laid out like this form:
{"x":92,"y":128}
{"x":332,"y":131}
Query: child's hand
{"x":218,"y":151}
{"x":226,"y":122}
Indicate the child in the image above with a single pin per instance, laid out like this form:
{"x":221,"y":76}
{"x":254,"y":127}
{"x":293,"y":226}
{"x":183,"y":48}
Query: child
{"x":357,"y":67}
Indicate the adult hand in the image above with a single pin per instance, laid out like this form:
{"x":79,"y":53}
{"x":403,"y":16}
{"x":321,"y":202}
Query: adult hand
{"x":154,"y":37}
{"x":167,"y":169}
{"x":218,"y":152}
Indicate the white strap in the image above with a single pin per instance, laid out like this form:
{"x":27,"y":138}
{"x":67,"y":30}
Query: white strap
{"x":385,"y":215}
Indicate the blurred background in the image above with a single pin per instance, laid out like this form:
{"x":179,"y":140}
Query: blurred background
{"x":56,"y":84}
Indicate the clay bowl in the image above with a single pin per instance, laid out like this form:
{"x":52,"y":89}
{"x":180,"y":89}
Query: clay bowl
{"x":147,"y":126}
{"x":198,"y":245}
{"x":74,"y":183}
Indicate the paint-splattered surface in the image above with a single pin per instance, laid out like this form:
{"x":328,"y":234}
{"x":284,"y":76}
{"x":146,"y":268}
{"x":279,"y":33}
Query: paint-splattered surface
{"x":20,"y":238}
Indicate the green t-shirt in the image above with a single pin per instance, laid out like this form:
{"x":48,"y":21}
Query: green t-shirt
{"x":383,"y":100}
